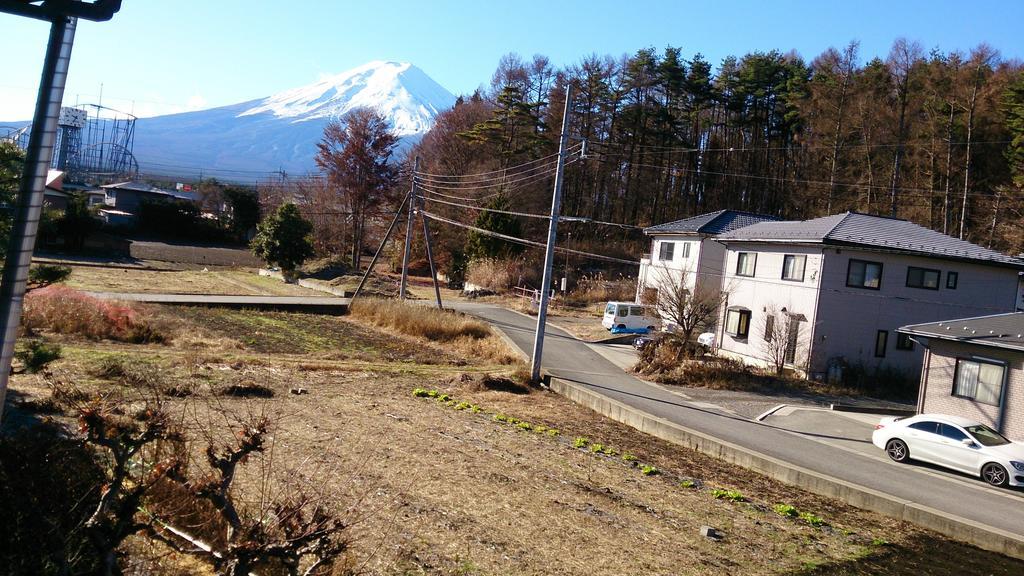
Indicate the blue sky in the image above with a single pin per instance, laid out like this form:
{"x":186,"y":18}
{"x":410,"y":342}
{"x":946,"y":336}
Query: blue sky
{"x":160,"y":56}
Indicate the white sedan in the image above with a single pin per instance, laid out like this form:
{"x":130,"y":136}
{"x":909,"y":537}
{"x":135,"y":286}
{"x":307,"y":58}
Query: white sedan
{"x":953,"y":442}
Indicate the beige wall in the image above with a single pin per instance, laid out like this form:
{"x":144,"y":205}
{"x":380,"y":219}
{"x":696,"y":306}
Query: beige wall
{"x":937,"y":387}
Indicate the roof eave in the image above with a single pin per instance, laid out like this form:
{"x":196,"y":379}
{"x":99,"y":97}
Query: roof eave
{"x":949,"y":338}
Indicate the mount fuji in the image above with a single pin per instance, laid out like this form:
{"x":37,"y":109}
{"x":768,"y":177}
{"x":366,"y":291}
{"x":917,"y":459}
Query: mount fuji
{"x":248,"y":140}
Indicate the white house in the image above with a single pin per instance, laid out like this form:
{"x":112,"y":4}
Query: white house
{"x":843,"y":284}
{"x":685,"y":251}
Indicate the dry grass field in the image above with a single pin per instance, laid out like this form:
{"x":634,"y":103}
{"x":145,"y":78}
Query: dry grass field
{"x":194,"y":281}
{"x":475,"y":473}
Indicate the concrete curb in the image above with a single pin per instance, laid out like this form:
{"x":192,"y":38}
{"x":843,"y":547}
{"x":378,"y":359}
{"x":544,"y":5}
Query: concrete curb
{"x":962,"y":529}
{"x":872,"y":410}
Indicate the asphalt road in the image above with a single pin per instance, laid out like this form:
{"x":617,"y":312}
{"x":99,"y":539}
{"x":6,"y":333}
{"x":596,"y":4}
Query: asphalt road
{"x":813,"y":441}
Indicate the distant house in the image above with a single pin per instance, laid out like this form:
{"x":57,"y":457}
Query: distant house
{"x":685,"y":251}
{"x":974,"y":367}
{"x":841,"y":285}
{"x":126,"y":197}
{"x":54,"y":196}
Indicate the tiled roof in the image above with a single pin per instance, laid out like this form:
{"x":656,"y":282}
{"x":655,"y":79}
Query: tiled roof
{"x":1000,"y":330}
{"x":856,"y":229}
{"x":710,"y":223}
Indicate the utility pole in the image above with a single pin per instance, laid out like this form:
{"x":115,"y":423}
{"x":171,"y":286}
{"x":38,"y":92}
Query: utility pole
{"x":33,"y":181}
{"x":408,"y":230}
{"x":549,"y":253}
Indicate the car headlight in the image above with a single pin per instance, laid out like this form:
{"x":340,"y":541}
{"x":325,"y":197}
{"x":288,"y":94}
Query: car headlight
{"x":1018,"y":465}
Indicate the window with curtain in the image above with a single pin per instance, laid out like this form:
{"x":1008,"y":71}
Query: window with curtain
{"x":793,"y":267}
{"x":980,"y":381}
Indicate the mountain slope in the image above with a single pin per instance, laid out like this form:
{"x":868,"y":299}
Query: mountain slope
{"x":247,"y":140}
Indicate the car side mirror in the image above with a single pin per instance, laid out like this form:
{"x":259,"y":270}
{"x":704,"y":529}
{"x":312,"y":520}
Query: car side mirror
{"x":967,"y":442}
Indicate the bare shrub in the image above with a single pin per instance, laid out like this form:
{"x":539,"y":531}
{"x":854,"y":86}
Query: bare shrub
{"x":67,"y":311}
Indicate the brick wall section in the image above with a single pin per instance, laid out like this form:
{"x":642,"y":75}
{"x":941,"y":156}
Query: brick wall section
{"x":938,"y":393}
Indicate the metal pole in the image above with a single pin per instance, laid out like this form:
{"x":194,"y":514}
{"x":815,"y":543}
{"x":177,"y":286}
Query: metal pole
{"x":376,"y":255}
{"x":430,"y":258}
{"x":408,"y":231}
{"x":549,"y":253}
{"x":33,"y":181}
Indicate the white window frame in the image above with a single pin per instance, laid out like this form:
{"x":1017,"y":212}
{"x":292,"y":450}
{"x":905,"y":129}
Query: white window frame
{"x":669,"y":247}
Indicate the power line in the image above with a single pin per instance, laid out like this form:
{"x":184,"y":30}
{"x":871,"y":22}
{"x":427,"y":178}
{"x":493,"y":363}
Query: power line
{"x":525,"y":242}
{"x":480,"y":174}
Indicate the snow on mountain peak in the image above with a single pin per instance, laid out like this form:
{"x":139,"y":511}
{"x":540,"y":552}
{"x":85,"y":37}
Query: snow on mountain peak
{"x":400,"y":91}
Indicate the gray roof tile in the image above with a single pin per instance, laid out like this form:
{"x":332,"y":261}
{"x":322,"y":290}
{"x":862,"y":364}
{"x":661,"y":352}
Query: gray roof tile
{"x":856,"y":229}
{"x":709,"y":223}
{"x":999,"y":330}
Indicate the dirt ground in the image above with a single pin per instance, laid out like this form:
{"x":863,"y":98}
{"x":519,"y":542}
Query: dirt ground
{"x":432,"y":489}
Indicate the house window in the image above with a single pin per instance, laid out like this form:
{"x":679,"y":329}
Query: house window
{"x":685,"y":249}
{"x":903,"y":342}
{"x":979,"y":380}
{"x":745,"y":263}
{"x":951,"y":280}
{"x":668,"y":250}
{"x":864,"y":274}
{"x":923,"y":278}
{"x":769,"y":327}
{"x":737,"y":322}
{"x":793,"y":267}
{"x":881,"y":341}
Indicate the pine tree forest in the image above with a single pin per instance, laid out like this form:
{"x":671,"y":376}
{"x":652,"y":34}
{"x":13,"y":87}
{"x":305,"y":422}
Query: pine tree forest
{"x":932,"y":137}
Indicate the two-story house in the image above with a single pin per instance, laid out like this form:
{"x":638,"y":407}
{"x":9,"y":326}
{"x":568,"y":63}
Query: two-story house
{"x":841,"y":285}
{"x":685,"y":251}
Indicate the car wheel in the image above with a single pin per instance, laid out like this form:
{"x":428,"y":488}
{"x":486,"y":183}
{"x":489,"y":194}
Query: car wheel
{"x":650,"y":328}
{"x":994,"y":474}
{"x":897,"y":450}
{"x":621,"y":326}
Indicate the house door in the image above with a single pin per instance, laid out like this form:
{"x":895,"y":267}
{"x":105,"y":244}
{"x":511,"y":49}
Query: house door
{"x":791,"y":339}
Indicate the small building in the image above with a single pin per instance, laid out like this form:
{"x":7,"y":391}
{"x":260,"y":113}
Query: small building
{"x":974,"y":367}
{"x":128,"y":196}
{"x":685,"y":251}
{"x":54,"y":195}
{"x":823,"y":295}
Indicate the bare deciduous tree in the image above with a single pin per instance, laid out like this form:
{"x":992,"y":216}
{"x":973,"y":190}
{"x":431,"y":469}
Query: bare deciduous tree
{"x":779,"y":346}
{"x":356,"y":156}
{"x":690,"y":311}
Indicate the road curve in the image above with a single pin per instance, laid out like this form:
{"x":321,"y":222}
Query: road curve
{"x":569,"y":359}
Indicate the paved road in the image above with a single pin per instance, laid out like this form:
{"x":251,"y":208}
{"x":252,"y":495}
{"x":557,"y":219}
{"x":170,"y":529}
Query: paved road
{"x":825,"y":445}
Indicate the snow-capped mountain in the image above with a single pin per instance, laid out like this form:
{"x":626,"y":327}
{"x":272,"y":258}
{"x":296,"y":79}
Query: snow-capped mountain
{"x":281,"y":131}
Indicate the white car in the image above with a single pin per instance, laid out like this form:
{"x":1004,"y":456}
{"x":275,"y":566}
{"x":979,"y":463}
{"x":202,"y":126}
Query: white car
{"x":953,"y":442}
{"x":630,"y":316}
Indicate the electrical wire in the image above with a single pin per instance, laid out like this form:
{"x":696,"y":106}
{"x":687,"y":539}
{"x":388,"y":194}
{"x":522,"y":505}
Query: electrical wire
{"x":549,"y":169}
{"x":482,"y":209}
{"x":525,"y":242}
{"x":478,"y":174}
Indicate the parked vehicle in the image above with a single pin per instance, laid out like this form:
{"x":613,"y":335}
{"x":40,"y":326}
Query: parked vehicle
{"x":629,"y":316}
{"x":953,"y":442}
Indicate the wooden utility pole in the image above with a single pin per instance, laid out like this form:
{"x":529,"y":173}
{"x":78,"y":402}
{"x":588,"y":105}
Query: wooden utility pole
{"x":408,"y":231}
{"x":549,"y":253}
{"x":380,"y":249}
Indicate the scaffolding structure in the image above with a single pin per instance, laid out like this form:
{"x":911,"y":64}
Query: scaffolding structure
{"x":94,"y":144}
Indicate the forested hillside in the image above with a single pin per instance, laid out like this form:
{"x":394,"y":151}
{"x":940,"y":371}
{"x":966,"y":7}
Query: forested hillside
{"x":937,"y":138}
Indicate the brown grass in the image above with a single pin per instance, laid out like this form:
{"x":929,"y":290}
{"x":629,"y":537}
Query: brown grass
{"x":443,"y":490}
{"x":500,"y":275}
{"x":597,"y":289}
{"x":63,"y":310}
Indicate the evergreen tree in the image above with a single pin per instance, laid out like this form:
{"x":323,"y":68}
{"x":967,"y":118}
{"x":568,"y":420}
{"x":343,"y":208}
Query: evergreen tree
{"x":12,"y":162}
{"x":484,"y":246}
{"x":283,"y":239}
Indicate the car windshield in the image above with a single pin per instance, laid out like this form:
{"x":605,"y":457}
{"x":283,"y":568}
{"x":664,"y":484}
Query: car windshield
{"x":987,"y":436}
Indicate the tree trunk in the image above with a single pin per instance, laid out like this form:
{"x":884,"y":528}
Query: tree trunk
{"x":967,"y":159}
